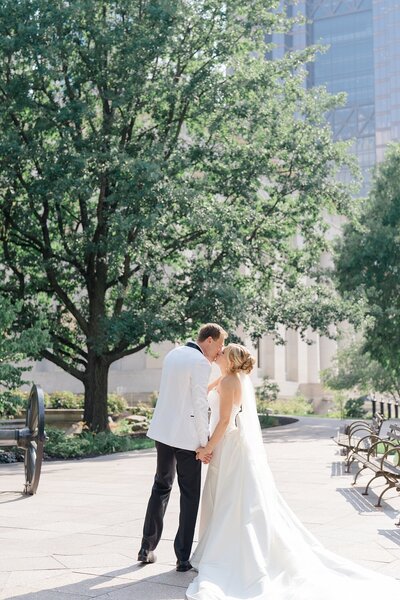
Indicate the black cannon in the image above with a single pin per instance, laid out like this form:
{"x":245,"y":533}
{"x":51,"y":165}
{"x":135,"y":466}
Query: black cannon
{"x":30,"y":438}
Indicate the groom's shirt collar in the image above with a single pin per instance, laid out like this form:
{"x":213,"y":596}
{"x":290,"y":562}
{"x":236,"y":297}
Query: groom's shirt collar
{"x":195,"y":346}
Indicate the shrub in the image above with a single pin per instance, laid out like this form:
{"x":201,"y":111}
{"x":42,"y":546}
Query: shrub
{"x":267,"y":421}
{"x":354,"y":408}
{"x":268,"y":391}
{"x":298,"y":405}
{"x":116,"y":404}
{"x":336,"y":411}
{"x":153,"y":399}
{"x":11,"y":455}
{"x":88,"y":444}
{"x":143,"y":410}
{"x":347,"y":408}
{"x":13,"y":403}
{"x":64,"y":400}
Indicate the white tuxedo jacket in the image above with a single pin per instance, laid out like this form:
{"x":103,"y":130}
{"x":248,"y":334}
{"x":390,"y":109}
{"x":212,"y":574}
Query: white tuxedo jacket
{"x":180,"y":417}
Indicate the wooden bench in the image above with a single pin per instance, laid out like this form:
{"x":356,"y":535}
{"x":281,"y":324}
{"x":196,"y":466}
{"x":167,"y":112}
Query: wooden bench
{"x":360,"y":435}
{"x":383,"y":459}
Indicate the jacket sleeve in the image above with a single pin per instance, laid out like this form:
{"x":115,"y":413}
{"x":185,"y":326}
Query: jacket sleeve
{"x":199,"y":386}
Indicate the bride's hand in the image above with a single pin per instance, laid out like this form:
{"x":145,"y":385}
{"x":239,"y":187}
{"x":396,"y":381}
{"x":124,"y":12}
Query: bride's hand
{"x":202,"y":455}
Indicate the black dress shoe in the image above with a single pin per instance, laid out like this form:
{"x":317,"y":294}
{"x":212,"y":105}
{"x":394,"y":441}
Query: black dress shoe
{"x":183,"y":565}
{"x":146,"y":556}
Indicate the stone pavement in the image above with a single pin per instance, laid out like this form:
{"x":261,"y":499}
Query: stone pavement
{"x":79,"y":536}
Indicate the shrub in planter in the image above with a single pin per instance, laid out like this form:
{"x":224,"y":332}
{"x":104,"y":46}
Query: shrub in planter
{"x":64,"y":400}
{"x":13,"y":404}
{"x":116,"y":404}
{"x":142,"y":409}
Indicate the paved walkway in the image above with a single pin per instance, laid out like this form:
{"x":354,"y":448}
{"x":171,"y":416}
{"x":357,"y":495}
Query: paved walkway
{"x":79,"y":536}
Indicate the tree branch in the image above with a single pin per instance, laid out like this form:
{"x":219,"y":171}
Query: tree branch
{"x":57,"y":360}
{"x":117,"y":355}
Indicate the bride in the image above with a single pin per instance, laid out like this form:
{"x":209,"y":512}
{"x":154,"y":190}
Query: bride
{"x":252,"y":546}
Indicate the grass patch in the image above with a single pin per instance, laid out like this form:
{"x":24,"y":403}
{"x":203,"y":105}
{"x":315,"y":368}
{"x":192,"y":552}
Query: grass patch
{"x":381,"y":448}
{"x":88,"y":444}
{"x":297,"y":405}
{"x":268,"y":421}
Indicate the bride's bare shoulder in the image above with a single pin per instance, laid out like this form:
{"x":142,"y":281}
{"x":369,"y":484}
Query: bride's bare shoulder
{"x":229,"y":383}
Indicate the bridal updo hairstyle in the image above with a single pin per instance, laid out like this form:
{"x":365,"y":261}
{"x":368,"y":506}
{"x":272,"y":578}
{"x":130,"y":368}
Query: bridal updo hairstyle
{"x":239,"y":359}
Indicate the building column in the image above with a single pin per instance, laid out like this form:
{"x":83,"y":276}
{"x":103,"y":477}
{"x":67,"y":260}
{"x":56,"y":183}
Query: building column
{"x":327,"y":350}
{"x":292,"y":355}
{"x":313,"y":358}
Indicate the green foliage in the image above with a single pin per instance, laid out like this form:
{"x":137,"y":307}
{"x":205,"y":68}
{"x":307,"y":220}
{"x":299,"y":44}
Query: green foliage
{"x":268,"y":391}
{"x":336,"y":411}
{"x":89,"y":444}
{"x":297,"y":405}
{"x":354,"y":370}
{"x":155,"y":169}
{"x":123,"y":427}
{"x":11,"y":455}
{"x":354,"y":408}
{"x":116,"y":404}
{"x":368,"y":266}
{"x":13,"y":404}
{"x":143,"y":410}
{"x":63,"y":400}
{"x":267,"y":421}
{"x":347,"y":408}
{"x":16,"y":346}
{"x":153,"y":399}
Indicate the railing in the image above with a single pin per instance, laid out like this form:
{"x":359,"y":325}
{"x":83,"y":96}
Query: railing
{"x":389,"y":409}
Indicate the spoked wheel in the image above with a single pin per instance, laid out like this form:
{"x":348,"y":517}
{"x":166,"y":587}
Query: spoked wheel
{"x":33,"y":439}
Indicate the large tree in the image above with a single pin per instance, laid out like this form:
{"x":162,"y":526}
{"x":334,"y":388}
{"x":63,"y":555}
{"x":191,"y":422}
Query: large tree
{"x":368,"y":266}
{"x":155,"y":171}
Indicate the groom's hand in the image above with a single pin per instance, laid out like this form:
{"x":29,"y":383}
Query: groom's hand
{"x":202,"y":455}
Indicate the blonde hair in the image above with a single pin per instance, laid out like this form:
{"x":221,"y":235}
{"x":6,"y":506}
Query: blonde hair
{"x":239,"y":359}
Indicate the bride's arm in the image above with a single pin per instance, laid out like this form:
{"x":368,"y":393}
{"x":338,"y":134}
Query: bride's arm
{"x":214,"y":384}
{"x":227,"y":396}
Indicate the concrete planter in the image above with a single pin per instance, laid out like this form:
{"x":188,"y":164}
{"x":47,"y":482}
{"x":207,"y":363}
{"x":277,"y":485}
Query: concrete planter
{"x":62,"y":418}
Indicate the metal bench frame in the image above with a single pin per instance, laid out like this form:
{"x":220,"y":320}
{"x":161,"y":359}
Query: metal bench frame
{"x":380,"y":465}
{"x":360,"y":435}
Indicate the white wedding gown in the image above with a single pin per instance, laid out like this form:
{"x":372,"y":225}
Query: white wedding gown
{"x":252,"y":546}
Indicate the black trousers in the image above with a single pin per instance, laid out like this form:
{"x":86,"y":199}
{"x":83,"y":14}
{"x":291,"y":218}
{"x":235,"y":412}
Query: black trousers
{"x":170,"y":461}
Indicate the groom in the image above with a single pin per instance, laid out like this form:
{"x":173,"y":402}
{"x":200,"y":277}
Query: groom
{"x":180,"y":426}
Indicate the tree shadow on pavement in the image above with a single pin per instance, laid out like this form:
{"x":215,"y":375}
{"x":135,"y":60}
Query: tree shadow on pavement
{"x":113,"y":585}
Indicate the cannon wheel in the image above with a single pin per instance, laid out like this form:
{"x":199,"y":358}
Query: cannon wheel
{"x":34,"y":448}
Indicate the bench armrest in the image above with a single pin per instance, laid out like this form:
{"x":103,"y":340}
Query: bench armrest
{"x":394,"y":447}
{"x":367,"y":437}
{"x":359,"y":427}
{"x":374,"y":446}
{"x":357,"y":424}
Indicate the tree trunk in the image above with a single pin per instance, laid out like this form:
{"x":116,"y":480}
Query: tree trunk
{"x":96,"y":388}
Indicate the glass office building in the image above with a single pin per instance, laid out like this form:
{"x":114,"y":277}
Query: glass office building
{"x":363,"y":60}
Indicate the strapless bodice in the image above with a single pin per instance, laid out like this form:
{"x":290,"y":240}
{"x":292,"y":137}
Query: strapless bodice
{"x":213,"y":401}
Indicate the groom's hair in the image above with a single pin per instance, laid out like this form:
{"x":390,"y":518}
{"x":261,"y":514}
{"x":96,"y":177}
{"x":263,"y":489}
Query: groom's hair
{"x":211,"y":329}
